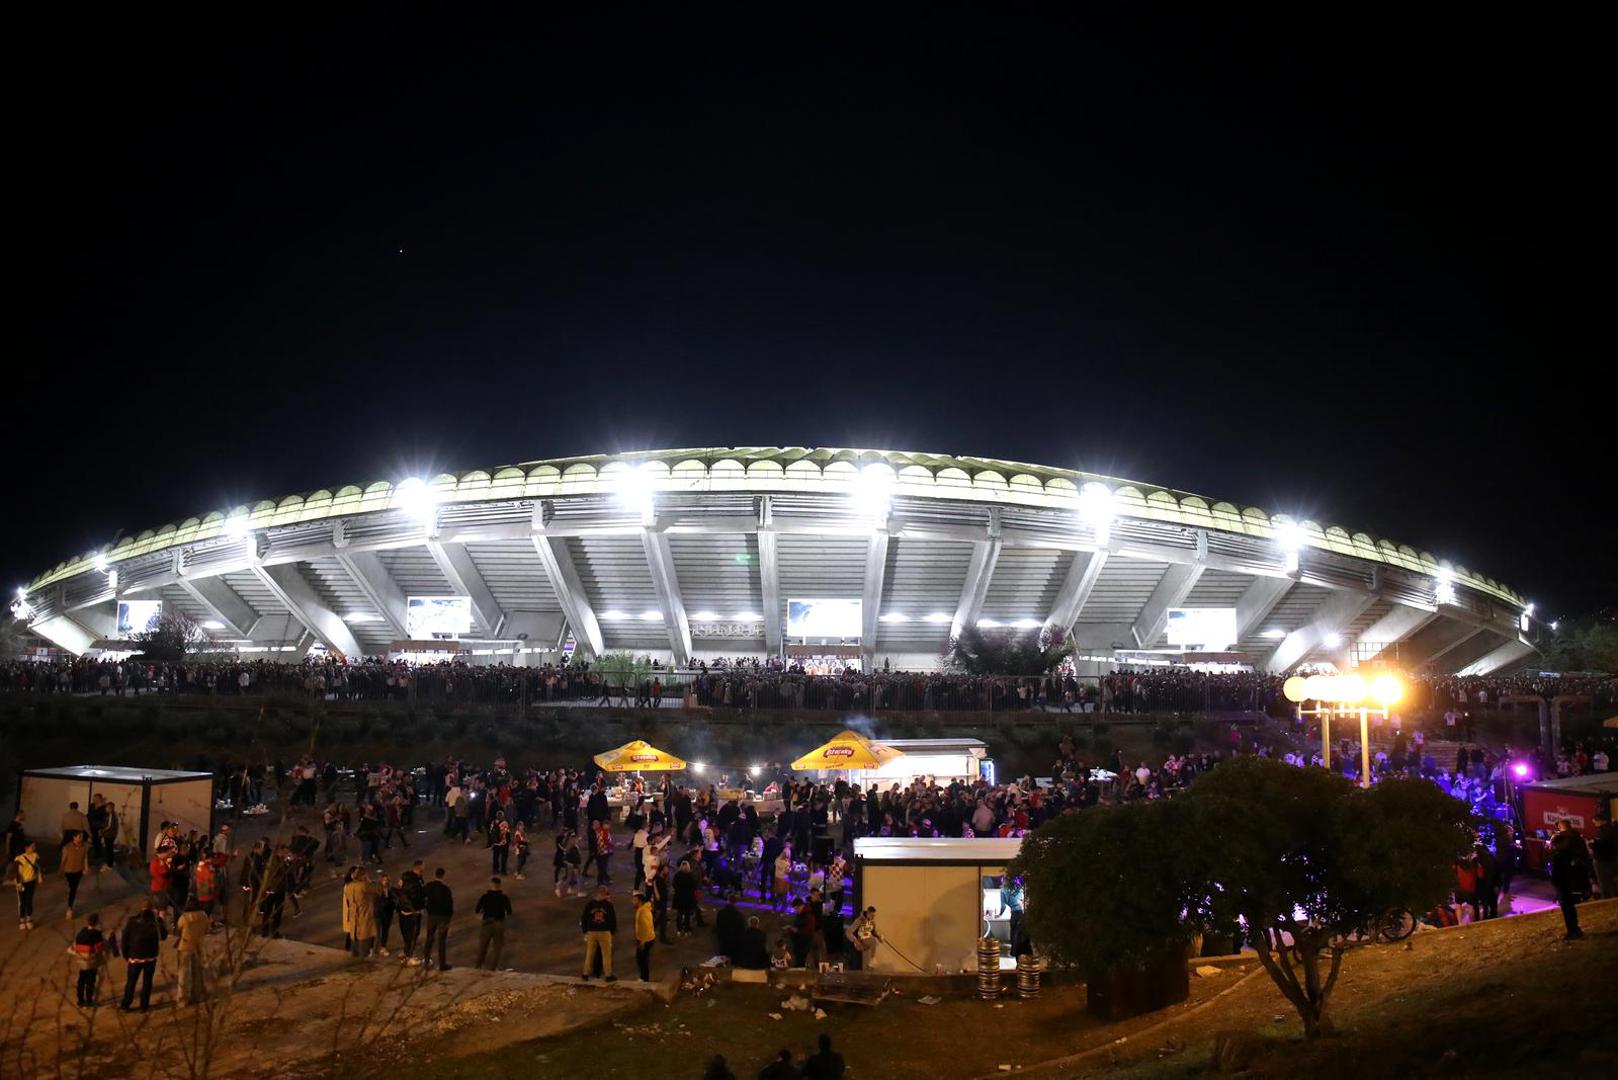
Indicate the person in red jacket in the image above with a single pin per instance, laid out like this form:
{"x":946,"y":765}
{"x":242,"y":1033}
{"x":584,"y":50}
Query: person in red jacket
{"x":89,"y":950}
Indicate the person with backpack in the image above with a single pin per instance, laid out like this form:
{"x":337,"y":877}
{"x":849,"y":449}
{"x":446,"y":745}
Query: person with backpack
{"x":27,"y":873}
{"x":89,"y":951}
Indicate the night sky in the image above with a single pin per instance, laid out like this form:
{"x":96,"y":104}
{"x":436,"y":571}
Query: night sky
{"x":1346,"y":271}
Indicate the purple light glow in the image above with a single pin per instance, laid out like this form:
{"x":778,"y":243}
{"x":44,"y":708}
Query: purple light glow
{"x":1520,"y":769}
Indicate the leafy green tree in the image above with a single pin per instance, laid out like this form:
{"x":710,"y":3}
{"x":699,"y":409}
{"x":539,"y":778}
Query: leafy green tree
{"x":1302,"y":855}
{"x":1112,"y":886}
{"x":978,"y":651}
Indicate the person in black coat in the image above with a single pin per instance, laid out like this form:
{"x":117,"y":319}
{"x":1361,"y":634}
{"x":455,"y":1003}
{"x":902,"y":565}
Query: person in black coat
{"x":729,"y":925}
{"x":1570,"y":873}
{"x":143,"y":934}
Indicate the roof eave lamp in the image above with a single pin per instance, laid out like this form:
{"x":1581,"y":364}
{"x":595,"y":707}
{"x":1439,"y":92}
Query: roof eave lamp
{"x":873,"y":493}
{"x":415,"y":498}
{"x":633,"y":490}
{"x":1444,"y":586}
{"x":1290,"y":539}
{"x":1097,"y":509}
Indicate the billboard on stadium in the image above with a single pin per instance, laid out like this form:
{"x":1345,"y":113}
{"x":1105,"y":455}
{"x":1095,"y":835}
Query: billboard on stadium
{"x":1202,"y":629}
{"x":428,"y":617}
{"x":825,"y":618}
{"x":137,"y":616}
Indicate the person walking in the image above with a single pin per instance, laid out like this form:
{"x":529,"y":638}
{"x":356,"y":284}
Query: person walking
{"x":1570,"y":873}
{"x":599,"y":922}
{"x":90,"y":947}
{"x":383,"y":905}
{"x":75,"y":861}
{"x":190,"y":934}
{"x":645,"y":936}
{"x":519,"y":844}
{"x":143,"y":934}
{"x":439,"y":903}
{"x":25,"y":868}
{"x":685,"y":898}
{"x":495,"y":907}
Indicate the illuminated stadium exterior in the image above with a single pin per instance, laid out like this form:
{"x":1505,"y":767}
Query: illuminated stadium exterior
{"x":688,"y":554}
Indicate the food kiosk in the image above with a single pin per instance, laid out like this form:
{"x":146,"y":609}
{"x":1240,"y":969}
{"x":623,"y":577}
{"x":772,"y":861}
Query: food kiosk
{"x":935,"y":897}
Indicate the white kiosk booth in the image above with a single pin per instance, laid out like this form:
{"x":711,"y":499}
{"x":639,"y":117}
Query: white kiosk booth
{"x":934,"y":897}
{"x":142,"y":798}
{"x":943,"y":760}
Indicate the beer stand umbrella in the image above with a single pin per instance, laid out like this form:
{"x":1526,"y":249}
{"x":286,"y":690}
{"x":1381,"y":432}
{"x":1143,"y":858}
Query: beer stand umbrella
{"x":848,"y":751}
{"x":638,"y":756}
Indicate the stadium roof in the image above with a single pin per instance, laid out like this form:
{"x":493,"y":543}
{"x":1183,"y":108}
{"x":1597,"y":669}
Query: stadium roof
{"x":697,"y":550}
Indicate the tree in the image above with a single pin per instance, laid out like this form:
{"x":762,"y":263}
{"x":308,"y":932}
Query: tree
{"x":1114,"y":889}
{"x":976,"y":651}
{"x":624,"y":671}
{"x":1302,"y":854}
{"x":170,"y":636}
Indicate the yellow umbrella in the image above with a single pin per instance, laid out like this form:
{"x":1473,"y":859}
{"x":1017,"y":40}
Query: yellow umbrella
{"x":849,"y":750}
{"x":1611,"y":721}
{"x":637,"y":756}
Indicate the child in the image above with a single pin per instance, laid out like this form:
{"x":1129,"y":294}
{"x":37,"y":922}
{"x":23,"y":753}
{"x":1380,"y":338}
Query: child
{"x":781,"y":959}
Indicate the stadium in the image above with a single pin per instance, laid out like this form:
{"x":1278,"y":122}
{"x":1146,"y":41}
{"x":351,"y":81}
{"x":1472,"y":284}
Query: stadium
{"x":857,"y":557}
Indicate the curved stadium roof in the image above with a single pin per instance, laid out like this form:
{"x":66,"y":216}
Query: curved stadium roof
{"x":736,"y":530}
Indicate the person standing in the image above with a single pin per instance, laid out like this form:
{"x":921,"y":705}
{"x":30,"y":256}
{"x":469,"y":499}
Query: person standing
{"x":499,"y":842}
{"x":383,"y":906}
{"x":440,"y":907}
{"x":103,"y":829}
{"x":90,"y":956}
{"x":825,"y":1063}
{"x":190,"y":934}
{"x":495,"y":907}
{"x":75,"y":860}
{"x":408,"y":898}
{"x":519,"y":842}
{"x":25,"y":867}
{"x":1604,"y":853}
{"x":599,"y":922}
{"x":74,"y":822}
{"x":1570,"y":873}
{"x":359,"y":912}
{"x":143,"y":934}
{"x":645,"y":936}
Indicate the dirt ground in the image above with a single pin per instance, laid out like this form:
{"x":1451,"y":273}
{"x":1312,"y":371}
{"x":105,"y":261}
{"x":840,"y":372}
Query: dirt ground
{"x":1506,"y":997}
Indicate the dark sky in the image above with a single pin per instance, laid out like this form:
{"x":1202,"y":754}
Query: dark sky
{"x":1345,"y":270}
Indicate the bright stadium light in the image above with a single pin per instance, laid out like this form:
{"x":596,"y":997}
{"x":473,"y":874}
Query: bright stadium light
{"x":988,"y":624}
{"x":651,"y":616}
{"x":22,"y":593}
{"x":633,"y":489}
{"x":361,"y":617}
{"x":893,"y":616}
{"x":1027,"y":624}
{"x":236,"y":526}
{"x":212,"y":624}
{"x":1097,"y":508}
{"x":1553,"y":626}
{"x":939,"y":616}
{"x":1332,"y":639}
{"x":416,"y":498}
{"x":753,"y":770}
{"x":873,"y":491}
{"x":1444,"y":585}
{"x":100,"y":561}
{"x":1274,"y":634}
{"x":612,"y":614}
{"x":748,"y":616}
{"x":706,"y":616}
{"x":1290,"y":538}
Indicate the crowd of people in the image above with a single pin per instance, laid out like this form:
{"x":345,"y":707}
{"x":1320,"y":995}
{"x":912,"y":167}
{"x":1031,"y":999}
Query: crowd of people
{"x":751,"y":683}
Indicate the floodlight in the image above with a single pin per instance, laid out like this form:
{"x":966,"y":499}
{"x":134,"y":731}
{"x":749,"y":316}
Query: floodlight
{"x":1332,"y":639}
{"x":1027,"y":624}
{"x":706,"y":616}
{"x":1275,"y":635}
{"x":1289,"y":536}
{"x":634,"y":489}
{"x":893,"y":616}
{"x":873,"y":491}
{"x":651,"y":616}
{"x":1097,"y":508}
{"x":613,"y":614}
{"x":752,"y":770}
{"x":1528,"y":609}
{"x":415,"y":498}
{"x":939,"y":616}
{"x":212,"y":624}
{"x":100,"y":561}
{"x":988,"y":624}
{"x":236,"y":526}
{"x":361,"y":617}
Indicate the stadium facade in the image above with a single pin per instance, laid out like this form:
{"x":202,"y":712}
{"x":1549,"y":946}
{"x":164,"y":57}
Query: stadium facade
{"x":879,"y":556}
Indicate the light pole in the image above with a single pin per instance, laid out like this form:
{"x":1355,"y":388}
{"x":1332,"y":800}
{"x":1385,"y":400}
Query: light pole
{"x":1344,"y":696}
